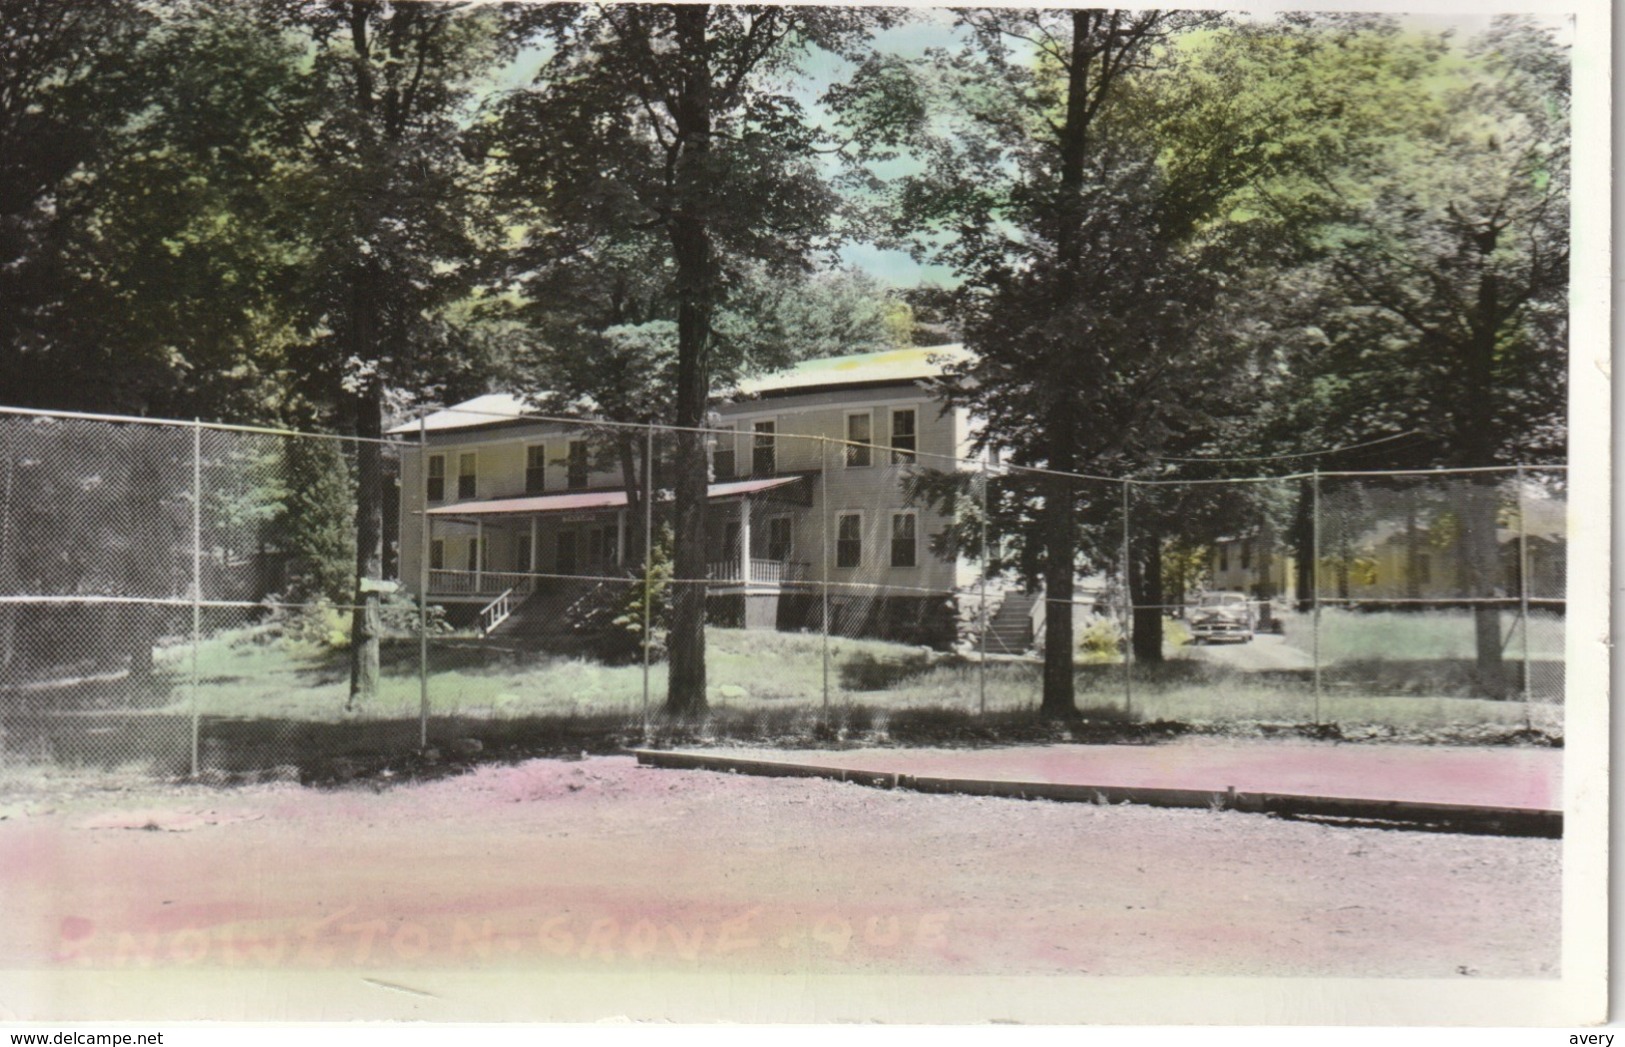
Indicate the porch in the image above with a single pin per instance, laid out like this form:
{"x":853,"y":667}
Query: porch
{"x":518,"y":546}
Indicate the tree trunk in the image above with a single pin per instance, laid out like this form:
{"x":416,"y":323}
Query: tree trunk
{"x":1303,"y":542}
{"x":689,"y":232}
{"x":365,"y":620}
{"x":1481,"y":552}
{"x":1060,"y":554}
{"x":1145,"y":592}
{"x":1059,"y":516}
{"x":632,"y":479}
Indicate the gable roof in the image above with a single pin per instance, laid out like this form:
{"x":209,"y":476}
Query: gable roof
{"x":888,"y":367}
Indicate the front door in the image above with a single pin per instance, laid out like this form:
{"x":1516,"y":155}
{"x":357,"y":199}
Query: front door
{"x":566,"y":561}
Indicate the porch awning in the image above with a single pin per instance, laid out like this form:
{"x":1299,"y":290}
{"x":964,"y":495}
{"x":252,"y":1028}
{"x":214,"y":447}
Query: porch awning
{"x":583,"y":501}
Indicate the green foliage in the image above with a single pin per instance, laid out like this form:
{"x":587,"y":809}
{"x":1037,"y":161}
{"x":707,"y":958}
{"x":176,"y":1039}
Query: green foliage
{"x":647,"y":599}
{"x":316,"y":522}
{"x":1101,"y":641}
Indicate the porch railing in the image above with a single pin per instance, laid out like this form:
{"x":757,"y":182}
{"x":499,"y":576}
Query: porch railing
{"x":496,"y":612}
{"x":762,"y":572}
{"x":480,"y":583}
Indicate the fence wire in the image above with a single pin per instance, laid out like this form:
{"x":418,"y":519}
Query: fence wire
{"x":184,"y":598}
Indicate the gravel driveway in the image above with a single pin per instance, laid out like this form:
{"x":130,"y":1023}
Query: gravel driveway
{"x":599,"y":865}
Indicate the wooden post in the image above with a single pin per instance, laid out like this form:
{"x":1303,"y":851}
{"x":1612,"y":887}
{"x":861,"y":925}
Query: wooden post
{"x":744,"y":541}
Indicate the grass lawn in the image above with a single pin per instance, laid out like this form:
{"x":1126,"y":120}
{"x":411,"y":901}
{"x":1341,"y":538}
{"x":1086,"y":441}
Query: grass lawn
{"x":1419,"y":636}
{"x":248,"y":673}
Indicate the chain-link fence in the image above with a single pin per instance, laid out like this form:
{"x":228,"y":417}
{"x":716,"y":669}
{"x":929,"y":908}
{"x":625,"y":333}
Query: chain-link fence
{"x":184,"y":597}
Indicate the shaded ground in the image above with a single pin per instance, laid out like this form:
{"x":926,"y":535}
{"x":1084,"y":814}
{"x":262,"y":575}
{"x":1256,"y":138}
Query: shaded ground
{"x":598,"y":865}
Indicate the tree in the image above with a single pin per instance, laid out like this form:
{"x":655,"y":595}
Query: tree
{"x":394,"y":222}
{"x":1426,"y":231}
{"x":1081,"y":300}
{"x":675,"y":120}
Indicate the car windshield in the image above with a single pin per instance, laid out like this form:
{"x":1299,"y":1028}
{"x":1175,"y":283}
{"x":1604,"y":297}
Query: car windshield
{"x":1223,"y":600}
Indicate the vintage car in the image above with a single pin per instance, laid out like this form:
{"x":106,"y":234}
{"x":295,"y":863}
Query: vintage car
{"x":1222,"y":618}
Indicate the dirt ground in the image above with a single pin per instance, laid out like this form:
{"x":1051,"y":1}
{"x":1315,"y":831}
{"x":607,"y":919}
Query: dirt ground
{"x":601,"y":865}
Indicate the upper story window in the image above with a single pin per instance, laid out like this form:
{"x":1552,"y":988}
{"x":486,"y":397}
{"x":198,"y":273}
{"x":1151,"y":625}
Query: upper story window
{"x":535,"y":469}
{"x":576,"y":476}
{"x":437,"y":478}
{"x":467,"y":476}
{"x":763,"y":457}
{"x":904,"y":436}
{"x":723,"y":465}
{"x":859,"y":438}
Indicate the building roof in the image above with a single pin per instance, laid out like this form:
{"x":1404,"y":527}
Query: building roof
{"x":890,"y":366}
{"x":579,"y":501}
{"x":492,"y":408}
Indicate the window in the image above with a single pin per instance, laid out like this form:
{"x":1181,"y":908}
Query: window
{"x":1246,"y":555}
{"x":521,"y":556}
{"x":848,"y":540}
{"x":467,"y":482}
{"x":437,"y":554}
{"x":437,"y":478}
{"x":780,"y":543}
{"x":763,"y":461}
{"x":565,"y":560}
{"x":904,"y":546}
{"x":903,"y":436}
{"x":576,"y":477}
{"x":535,"y":469}
{"x":473,"y":554}
{"x":1224,"y":557}
{"x":602,"y":545}
{"x":859,"y":436}
{"x":722,"y":455}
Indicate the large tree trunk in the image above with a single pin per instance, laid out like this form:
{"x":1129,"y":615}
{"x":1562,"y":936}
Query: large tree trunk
{"x":1060,"y":555}
{"x":368,"y":405}
{"x":1145,"y":591}
{"x":1481,"y":555}
{"x":696,"y":294}
{"x":1059,"y":514}
{"x":365,"y":619}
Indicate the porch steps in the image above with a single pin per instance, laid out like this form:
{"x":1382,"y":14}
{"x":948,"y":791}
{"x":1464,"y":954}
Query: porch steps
{"x":1011,"y":630}
{"x":541,"y":614}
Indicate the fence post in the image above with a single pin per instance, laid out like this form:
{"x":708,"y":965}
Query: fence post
{"x":986,"y":619}
{"x":1314,"y":581}
{"x":1523,"y":596}
{"x":425,"y":543}
{"x":197,"y":577}
{"x":823,"y":522}
{"x":648,"y":562}
{"x":1128,"y":612}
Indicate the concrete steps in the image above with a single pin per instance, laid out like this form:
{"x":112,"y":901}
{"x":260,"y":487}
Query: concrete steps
{"x":1011,"y":630}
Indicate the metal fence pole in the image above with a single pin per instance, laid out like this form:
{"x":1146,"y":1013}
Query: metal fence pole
{"x":425,"y":543}
{"x":823,"y":522}
{"x":986,"y":619}
{"x":1523,"y":596}
{"x":197,"y":577}
{"x":1314,"y":581}
{"x":648,"y":562}
{"x":1128,"y":612}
